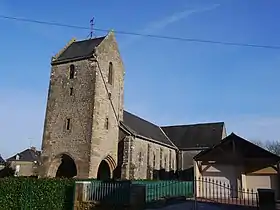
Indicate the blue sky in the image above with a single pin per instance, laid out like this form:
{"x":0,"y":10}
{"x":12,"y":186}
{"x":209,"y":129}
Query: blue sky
{"x":167,"y":81}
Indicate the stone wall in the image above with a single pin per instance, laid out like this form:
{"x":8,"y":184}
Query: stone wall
{"x":145,"y":156}
{"x":77,"y":107}
{"x":93,"y":133}
{"x":104,"y":142}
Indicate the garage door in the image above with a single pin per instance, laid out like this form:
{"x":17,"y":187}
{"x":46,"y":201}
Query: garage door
{"x":261,"y":181}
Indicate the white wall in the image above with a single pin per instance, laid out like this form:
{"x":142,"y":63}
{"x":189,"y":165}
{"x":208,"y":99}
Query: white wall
{"x":214,"y":179}
{"x":264,"y":181}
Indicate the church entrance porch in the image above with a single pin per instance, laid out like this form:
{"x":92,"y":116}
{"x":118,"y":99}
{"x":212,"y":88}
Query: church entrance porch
{"x":63,"y":166}
{"x":104,"y":172}
{"x":67,"y":168}
{"x":106,"y":168}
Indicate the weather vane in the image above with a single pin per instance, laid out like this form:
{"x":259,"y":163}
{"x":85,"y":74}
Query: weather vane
{"x":91,"y":27}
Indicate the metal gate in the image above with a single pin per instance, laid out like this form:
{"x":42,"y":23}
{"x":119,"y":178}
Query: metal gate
{"x":211,"y":191}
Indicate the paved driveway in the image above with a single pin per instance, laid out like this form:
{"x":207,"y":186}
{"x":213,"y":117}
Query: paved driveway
{"x":203,"y":206}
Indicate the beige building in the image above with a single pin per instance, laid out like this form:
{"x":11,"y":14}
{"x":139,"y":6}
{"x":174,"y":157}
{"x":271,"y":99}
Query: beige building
{"x":26,"y":162}
{"x":88,"y":133}
{"x":239,"y":165}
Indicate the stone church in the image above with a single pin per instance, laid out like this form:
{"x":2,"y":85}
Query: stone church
{"x":87,"y":132}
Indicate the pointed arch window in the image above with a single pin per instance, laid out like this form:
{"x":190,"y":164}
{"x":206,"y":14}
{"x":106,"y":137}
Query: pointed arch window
{"x":110,"y":73}
{"x":71,"y":71}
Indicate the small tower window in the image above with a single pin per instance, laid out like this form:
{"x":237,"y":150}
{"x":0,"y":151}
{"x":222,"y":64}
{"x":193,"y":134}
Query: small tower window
{"x":140,"y":157}
{"x":68,"y":124}
{"x":107,"y":123}
{"x":154,"y":162}
{"x":71,"y":91}
{"x":71,"y":71}
{"x":110,"y":74}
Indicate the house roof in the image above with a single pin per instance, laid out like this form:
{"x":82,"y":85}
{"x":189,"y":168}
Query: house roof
{"x":26,"y":155}
{"x":79,"y":50}
{"x":245,"y":149}
{"x":195,"y":135}
{"x":2,"y":161}
{"x":144,"y":128}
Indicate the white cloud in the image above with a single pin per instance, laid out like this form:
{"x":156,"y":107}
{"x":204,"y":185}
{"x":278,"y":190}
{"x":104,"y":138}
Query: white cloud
{"x":156,"y":26}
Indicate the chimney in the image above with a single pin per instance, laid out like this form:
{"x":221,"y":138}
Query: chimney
{"x":33,"y":149}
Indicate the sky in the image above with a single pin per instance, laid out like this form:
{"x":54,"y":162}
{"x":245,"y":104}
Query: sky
{"x":167,"y":81}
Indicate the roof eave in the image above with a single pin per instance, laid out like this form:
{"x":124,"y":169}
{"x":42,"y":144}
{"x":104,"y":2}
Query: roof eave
{"x":193,"y":148}
{"x":58,"y":62}
{"x":155,"y":141}
{"x":175,"y":146}
{"x":129,"y":131}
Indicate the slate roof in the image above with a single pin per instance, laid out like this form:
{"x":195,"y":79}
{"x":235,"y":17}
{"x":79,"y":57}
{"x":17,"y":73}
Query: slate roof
{"x":245,"y":148}
{"x":26,"y":155}
{"x":144,"y":128}
{"x":196,"y":135}
{"x":79,"y":50}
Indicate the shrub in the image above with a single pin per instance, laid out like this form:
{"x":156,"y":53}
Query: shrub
{"x":36,"y":194}
{"x":7,"y":171}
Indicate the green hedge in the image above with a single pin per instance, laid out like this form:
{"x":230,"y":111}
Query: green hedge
{"x":36,"y":194}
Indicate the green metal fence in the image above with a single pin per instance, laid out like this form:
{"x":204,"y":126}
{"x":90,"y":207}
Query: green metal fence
{"x":104,"y":192}
{"x":119,"y":192}
{"x":159,"y":189}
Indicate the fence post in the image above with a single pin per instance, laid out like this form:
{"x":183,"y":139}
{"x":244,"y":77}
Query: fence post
{"x":195,"y":194}
{"x":266,"y":199}
{"x":78,"y":194}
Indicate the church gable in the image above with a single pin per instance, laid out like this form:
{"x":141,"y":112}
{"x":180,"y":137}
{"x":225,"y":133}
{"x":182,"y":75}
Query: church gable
{"x":141,"y":127}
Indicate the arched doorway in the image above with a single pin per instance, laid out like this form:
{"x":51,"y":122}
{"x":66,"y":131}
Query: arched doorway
{"x":67,"y":168}
{"x":104,"y":172}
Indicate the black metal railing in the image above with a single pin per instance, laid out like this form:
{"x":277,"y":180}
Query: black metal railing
{"x":211,"y":190}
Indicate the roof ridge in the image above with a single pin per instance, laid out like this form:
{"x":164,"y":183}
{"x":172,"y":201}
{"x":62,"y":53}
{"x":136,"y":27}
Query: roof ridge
{"x":151,"y":130}
{"x":192,"y":124}
{"x":84,"y":40}
{"x":141,"y":118}
{"x":167,"y":137}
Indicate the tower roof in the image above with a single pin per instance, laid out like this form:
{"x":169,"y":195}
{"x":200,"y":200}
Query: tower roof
{"x":78,"y":50}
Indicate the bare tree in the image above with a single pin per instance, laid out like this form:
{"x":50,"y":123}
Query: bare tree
{"x":272,"y":146}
